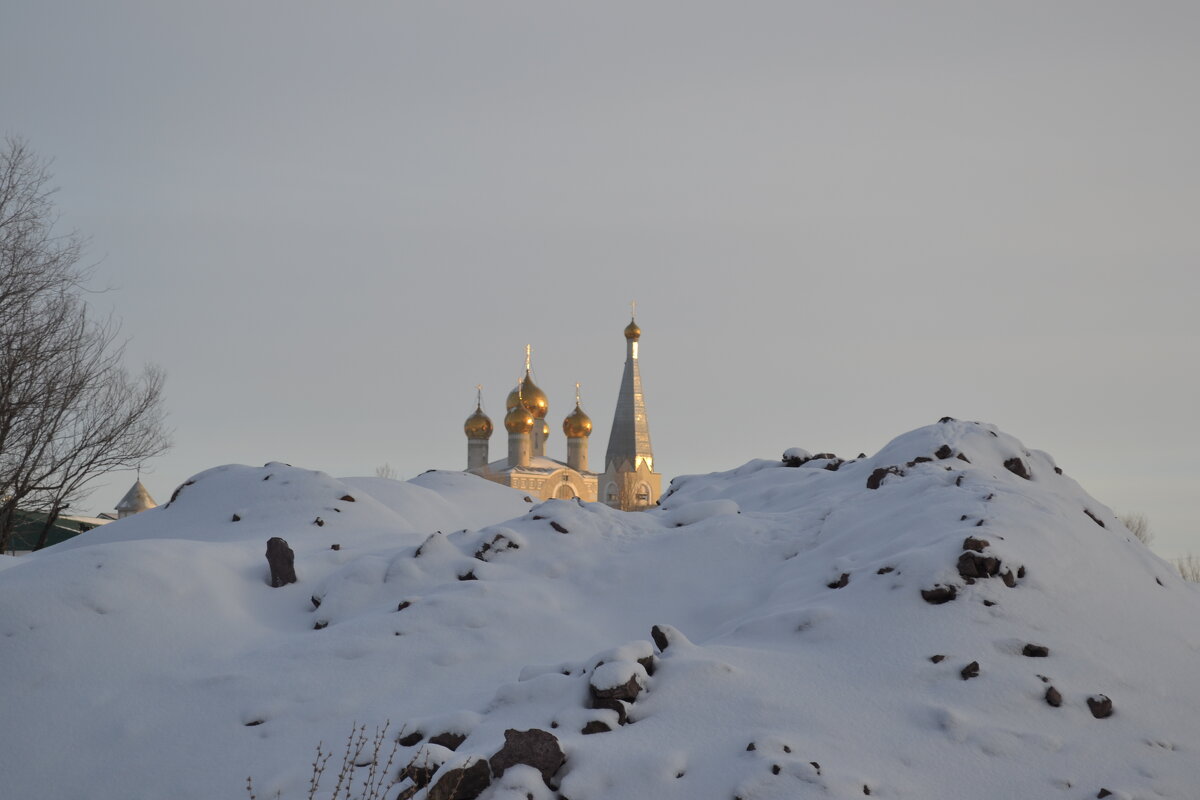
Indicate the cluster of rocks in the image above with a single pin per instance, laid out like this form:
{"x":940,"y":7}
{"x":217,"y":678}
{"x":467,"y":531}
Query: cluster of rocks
{"x":796,"y":457}
{"x":973,"y":564}
{"x":945,"y":451}
{"x":468,"y":779}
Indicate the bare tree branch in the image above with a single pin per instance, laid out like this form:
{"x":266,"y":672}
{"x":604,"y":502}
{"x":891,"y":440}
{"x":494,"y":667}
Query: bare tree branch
{"x":69,"y":412}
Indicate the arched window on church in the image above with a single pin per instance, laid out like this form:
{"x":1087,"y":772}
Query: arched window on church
{"x":564,"y":491}
{"x":610,"y":494}
{"x":642,"y":496}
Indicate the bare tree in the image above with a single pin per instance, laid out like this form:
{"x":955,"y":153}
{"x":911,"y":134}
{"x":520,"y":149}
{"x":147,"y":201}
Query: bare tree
{"x":386,"y":470}
{"x":1139,"y":526}
{"x":1189,"y":567}
{"x":69,"y":412}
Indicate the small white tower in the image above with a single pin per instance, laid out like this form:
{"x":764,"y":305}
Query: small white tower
{"x":478,"y":429}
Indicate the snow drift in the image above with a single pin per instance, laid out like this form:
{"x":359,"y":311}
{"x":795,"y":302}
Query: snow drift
{"x":952,"y":617}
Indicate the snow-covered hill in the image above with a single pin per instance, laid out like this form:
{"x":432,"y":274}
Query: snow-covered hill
{"x":936,"y":621}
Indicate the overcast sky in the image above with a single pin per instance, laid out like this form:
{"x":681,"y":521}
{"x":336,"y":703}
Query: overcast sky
{"x":841,"y":221}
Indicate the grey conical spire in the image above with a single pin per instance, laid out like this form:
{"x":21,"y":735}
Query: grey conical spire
{"x":136,"y":500}
{"x":629,"y":442}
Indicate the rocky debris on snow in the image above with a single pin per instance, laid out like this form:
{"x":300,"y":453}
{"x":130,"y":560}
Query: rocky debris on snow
{"x":595,"y":726}
{"x":876,"y":478}
{"x":282,"y":562}
{"x":1035,"y":651}
{"x":937,"y":659}
{"x":1100,"y":705}
{"x":347,"y":498}
{"x":970,"y":671}
{"x":411,"y":739}
{"x":939,"y":594}
{"x":464,"y":782}
{"x":558,"y":527}
{"x":320,"y":523}
{"x":534,"y":747}
{"x":1017,"y":467}
{"x":1095,"y":519}
{"x":498,"y":543}
{"x":448,"y":739}
{"x":1053,"y":697}
{"x":236,"y":518}
{"x":842,"y":581}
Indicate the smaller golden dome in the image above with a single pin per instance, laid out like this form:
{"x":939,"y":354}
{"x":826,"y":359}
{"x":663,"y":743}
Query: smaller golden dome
{"x":632,"y":331}
{"x":478,"y":426}
{"x":577,"y":424}
{"x":518,"y":420}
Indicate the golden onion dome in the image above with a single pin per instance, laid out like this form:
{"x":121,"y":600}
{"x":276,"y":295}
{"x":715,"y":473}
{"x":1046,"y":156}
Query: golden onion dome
{"x":478,"y":426}
{"x":518,"y":420}
{"x":632,"y":331}
{"x":527,"y":392}
{"x":577,"y":424}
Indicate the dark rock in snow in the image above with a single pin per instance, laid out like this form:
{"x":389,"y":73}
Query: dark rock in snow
{"x":1053,"y":697}
{"x":958,"y":480}
{"x":751,"y":747}
{"x":973,"y":565}
{"x":884,"y":570}
{"x":558,"y":527}
{"x":649,"y":664}
{"x":775,"y":769}
{"x":939,"y":594}
{"x":879,"y":474}
{"x":1100,"y":706}
{"x":944,"y":420}
{"x":962,"y":457}
{"x":448,"y":739}
{"x":627,"y":691}
{"x":944,"y":451}
{"x":316,"y":601}
{"x":613,"y":705}
{"x":595,"y":726}
{"x":462,"y":783}
{"x":660,"y":638}
{"x":282,"y":562}
{"x":937,"y":659}
{"x":347,"y":498}
{"x":470,"y":576}
{"x":408,"y":741}
{"x":1103,"y":792}
{"x":335,"y":547}
{"x":978,"y":545}
{"x":970,"y":671}
{"x":1017,"y":467}
{"x":403,"y":605}
{"x":1095,"y":519}
{"x":534,"y":747}
{"x":840,"y":582}
{"x":320,"y":625}
{"x":236,"y":518}
{"x":1035,"y":651}
{"x":320,"y":523}
{"x":1009,"y":579}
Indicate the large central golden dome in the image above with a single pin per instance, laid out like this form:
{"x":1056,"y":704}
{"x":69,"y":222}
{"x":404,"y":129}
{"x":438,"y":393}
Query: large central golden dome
{"x":527,"y":392}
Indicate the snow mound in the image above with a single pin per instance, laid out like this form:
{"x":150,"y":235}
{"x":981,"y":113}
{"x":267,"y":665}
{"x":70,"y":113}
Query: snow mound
{"x":951,"y":617}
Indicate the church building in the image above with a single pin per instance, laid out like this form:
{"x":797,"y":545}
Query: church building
{"x":628,"y":480}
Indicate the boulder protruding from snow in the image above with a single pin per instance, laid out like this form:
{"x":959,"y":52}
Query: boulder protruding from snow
{"x":535,"y":747}
{"x":282,"y":562}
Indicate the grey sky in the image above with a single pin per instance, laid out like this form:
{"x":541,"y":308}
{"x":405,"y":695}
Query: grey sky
{"x":840,"y":221}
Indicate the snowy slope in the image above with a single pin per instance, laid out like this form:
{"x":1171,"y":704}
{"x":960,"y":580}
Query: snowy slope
{"x":155,"y":661}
